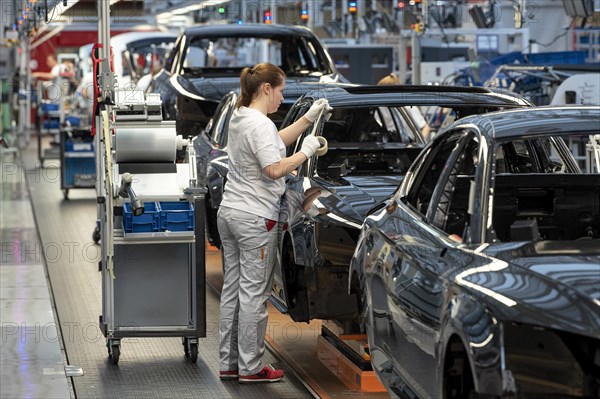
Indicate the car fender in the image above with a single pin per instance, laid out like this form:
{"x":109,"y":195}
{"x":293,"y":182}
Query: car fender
{"x":480,"y":335}
{"x":302,"y":235}
{"x":216,"y":178}
{"x":356,"y":266}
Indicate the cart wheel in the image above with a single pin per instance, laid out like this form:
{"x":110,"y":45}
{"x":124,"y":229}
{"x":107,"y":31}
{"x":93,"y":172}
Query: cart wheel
{"x":66,"y":193}
{"x":96,"y":235}
{"x":193,"y":352}
{"x":186,"y":349}
{"x":114,"y":350}
{"x":115,"y":353}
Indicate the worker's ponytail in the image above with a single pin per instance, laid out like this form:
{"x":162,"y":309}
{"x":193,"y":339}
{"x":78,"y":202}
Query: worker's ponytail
{"x":253,"y":78}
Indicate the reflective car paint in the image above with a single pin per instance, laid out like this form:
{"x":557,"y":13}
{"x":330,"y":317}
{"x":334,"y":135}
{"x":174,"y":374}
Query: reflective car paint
{"x":481,"y":317}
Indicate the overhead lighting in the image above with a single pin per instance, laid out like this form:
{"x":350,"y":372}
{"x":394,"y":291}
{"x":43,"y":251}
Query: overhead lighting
{"x":59,"y":9}
{"x":195,"y":6}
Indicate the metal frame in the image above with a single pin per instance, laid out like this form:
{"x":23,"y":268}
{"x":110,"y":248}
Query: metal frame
{"x":115,"y":242}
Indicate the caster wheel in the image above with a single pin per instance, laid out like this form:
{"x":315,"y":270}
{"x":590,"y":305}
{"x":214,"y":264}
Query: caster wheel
{"x":193,"y":353}
{"x":115,"y":353}
{"x":186,"y":349}
{"x":96,"y":235}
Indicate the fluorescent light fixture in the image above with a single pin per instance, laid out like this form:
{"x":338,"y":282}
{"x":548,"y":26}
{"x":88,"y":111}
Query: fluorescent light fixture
{"x":59,"y":9}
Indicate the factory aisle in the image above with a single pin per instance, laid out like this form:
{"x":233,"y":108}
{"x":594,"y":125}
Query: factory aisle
{"x":31,"y":358}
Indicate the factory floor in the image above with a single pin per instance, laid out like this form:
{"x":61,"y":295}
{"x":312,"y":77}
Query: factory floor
{"x":51,"y":286}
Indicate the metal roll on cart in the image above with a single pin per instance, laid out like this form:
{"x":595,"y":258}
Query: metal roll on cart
{"x":152,"y":227}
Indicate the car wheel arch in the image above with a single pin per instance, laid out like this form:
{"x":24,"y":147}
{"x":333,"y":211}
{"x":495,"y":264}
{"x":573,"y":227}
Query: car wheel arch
{"x":211,"y":229}
{"x":455,"y":348}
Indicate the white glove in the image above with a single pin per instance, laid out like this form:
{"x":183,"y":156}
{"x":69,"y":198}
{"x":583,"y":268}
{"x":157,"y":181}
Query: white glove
{"x":310,"y":145}
{"x":316,"y":108}
{"x":324,"y":193}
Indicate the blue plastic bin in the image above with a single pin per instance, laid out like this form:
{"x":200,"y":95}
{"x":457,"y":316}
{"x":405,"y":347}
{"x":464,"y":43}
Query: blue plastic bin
{"x":176,"y":216}
{"x":47,"y":107}
{"x":79,"y":146}
{"x":51,"y":124}
{"x":145,"y":223}
{"x":74,"y":121}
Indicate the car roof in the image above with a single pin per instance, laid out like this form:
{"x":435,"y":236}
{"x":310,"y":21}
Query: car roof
{"x":548,"y":120}
{"x":294,"y":89}
{"x":257,"y":30}
{"x":420,"y":95}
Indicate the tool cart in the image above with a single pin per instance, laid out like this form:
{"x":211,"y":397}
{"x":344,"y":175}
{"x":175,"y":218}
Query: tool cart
{"x":153,"y":248}
{"x":77,"y":162}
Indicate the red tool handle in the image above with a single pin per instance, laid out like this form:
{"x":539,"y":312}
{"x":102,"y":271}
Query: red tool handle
{"x":96,"y":60}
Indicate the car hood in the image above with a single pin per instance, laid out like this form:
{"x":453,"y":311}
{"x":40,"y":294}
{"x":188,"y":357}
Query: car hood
{"x":353,"y":197}
{"x":550,"y":284}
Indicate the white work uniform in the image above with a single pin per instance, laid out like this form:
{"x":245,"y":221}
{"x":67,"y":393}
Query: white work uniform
{"x":249,"y":236}
{"x":416,"y":116}
{"x":53,"y":90}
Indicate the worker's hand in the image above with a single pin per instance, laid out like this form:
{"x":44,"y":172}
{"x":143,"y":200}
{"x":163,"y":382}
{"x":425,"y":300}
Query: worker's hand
{"x":318,"y":106}
{"x":310,"y":145}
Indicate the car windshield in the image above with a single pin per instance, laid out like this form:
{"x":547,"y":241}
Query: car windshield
{"x":297,"y":56}
{"x":143,"y":57}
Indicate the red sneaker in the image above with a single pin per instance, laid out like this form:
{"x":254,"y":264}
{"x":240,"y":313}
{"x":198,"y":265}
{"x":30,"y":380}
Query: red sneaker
{"x":267,"y":374}
{"x":228,"y":375}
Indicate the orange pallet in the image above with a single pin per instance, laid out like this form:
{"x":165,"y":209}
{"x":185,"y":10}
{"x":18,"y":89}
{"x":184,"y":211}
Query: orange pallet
{"x":351,"y":375}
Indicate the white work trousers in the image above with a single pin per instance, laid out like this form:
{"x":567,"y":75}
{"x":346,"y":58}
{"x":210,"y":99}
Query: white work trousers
{"x":249,"y":247}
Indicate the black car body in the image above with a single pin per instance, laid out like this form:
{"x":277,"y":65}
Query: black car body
{"x":207,"y":61}
{"x":369,"y":153}
{"x":211,"y":148}
{"x":480,"y":276}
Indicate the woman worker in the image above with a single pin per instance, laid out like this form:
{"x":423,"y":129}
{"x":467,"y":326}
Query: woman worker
{"x":248,"y":218}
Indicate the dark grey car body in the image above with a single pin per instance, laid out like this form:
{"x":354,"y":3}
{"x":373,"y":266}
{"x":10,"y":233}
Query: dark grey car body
{"x":211,"y":148}
{"x":363,"y":167}
{"x":191,"y":90}
{"x":480,"y":277}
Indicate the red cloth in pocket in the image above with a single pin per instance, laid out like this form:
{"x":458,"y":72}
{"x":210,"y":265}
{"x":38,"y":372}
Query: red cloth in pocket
{"x":271,"y":223}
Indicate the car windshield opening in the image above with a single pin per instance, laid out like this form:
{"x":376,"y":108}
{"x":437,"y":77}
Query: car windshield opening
{"x":231,"y":54}
{"x":368,"y":141}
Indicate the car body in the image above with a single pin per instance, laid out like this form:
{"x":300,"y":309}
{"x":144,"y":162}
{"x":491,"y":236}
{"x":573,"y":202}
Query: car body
{"x":131,"y":54}
{"x":211,"y":148}
{"x":368,"y":156}
{"x":207,"y":61}
{"x":480,"y":276}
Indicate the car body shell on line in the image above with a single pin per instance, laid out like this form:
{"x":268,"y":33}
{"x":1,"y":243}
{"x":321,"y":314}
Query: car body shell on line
{"x":372,"y":143}
{"x":480,"y":276}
